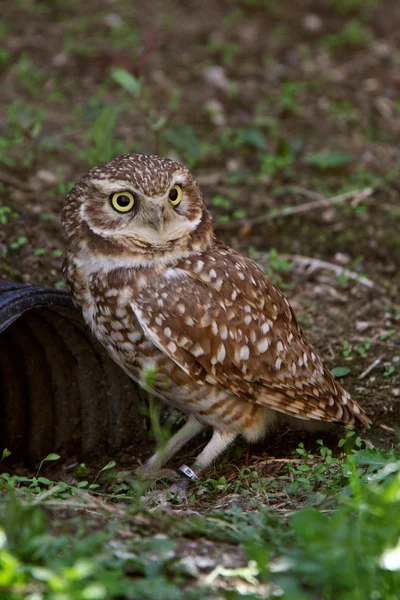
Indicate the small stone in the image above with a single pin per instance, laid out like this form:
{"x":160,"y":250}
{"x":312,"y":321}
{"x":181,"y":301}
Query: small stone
{"x":113,"y":20}
{"x":232,"y":165}
{"x":47,"y":177}
{"x":382,"y":49}
{"x":312,"y":22}
{"x":362,"y":325}
{"x":396,"y":392}
{"x":328,"y":215}
{"x":341,"y":258}
{"x":60,"y":59}
{"x":216,"y":76}
{"x":371,"y":84}
{"x":216,"y":111}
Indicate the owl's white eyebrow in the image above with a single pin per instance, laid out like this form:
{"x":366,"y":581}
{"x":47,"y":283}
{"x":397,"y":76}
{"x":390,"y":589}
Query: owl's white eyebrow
{"x":118,"y":185}
{"x":180,"y":178}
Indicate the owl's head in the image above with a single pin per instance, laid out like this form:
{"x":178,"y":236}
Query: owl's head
{"x":140,"y":204}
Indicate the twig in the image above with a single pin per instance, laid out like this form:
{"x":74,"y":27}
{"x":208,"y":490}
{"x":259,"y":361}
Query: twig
{"x":308,"y":193}
{"x":47,"y":494}
{"x":387,"y":428}
{"x":370,"y":368}
{"x":355,"y":195}
{"x":310,"y":265}
{"x":15,"y":182}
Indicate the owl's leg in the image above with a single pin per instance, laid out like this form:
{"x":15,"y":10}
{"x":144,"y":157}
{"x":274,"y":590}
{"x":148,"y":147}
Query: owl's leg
{"x":218,"y":443}
{"x":191,"y":428}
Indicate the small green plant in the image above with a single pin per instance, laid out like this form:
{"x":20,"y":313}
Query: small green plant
{"x":346,"y":349}
{"x":127,"y":81}
{"x":353,"y":35}
{"x":364,"y":349}
{"x":340,"y":371}
{"x":18,"y":243}
{"x":288,"y":98}
{"x":313,"y":473}
{"x":184,"y":140}
{"x":347,"y":6}
{"x":18,"y":142}
{"x":328,"y":160}
{"x":221,"y":202}
{"x":101,"y":143}
{"x":30,"y":75}
{"x":389,"y":370}
{"x":5,"y":454}
{"x":7,"y":213}
{"x":272,"y":164}
{"x":224,"y":50}
{"x":386,"y":334}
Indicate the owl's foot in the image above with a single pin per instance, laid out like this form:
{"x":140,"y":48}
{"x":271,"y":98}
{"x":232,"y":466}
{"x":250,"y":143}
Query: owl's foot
{"x":178,"y":492}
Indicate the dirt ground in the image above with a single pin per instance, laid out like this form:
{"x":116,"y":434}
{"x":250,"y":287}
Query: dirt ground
{"x":271,"y":104}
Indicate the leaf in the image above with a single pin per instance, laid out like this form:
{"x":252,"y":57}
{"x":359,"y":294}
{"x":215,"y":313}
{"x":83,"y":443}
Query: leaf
{"x":374,"y":458}
{"x":109,"y":465}
{"x":308,"y":524}
{"x":6,"y":453}
{"x":52,"y":456}
{"x":44,"y":480}
{"x":328,"y":160}
{"x":340,"y":371}
{"x":126,"y":80}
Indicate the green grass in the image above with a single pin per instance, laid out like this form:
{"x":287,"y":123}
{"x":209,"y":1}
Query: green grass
{"x":337,"y":538}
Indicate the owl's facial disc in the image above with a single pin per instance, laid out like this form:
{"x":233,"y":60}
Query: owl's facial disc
{"x":118,"y":210}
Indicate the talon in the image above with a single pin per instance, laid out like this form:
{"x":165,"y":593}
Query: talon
{"x":180,"y":489}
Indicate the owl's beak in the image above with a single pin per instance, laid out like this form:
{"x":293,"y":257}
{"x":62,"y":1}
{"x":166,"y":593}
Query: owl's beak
{"x":158,"y":219}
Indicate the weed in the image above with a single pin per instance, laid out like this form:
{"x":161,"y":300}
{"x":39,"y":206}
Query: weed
{"x":7,"y":213}
{"x":328,"y":160}
{"x":342,"y":110}
{"x":389,"y":370}
{"x":364,"y":349}
{"x":288,"y":98}
{"x":353,"y":35}
{"x":127,"y":81}
{"x":30,"y":75}
{"x":184,"y":140}
{"x":101,"y":144}
{"x":277,"y":266}
{"x":18,"y":243}
{"x":224,"y":50}
{"x":347,"y":6}
{"x":340,"y":371}
{"x":20,"y":134}
{"x":346,"y":349}
{"x":221,"y":202}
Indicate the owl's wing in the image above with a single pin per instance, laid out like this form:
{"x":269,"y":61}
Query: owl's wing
{"x":223,"y":322}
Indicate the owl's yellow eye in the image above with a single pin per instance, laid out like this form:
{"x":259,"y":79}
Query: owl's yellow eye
{"x":122,"y":201}
{"x":175,"y":195}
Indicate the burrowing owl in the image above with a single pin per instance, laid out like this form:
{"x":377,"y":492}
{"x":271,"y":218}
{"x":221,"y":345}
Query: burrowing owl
{"x":162,"y":293}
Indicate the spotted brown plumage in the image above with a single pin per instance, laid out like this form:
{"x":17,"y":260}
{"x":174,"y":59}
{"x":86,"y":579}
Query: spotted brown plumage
{"x":162,"y":292}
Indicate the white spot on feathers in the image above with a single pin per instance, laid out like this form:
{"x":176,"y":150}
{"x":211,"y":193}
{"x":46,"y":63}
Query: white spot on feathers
{"x":263,"y":345}
{"x":244,"y":353}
